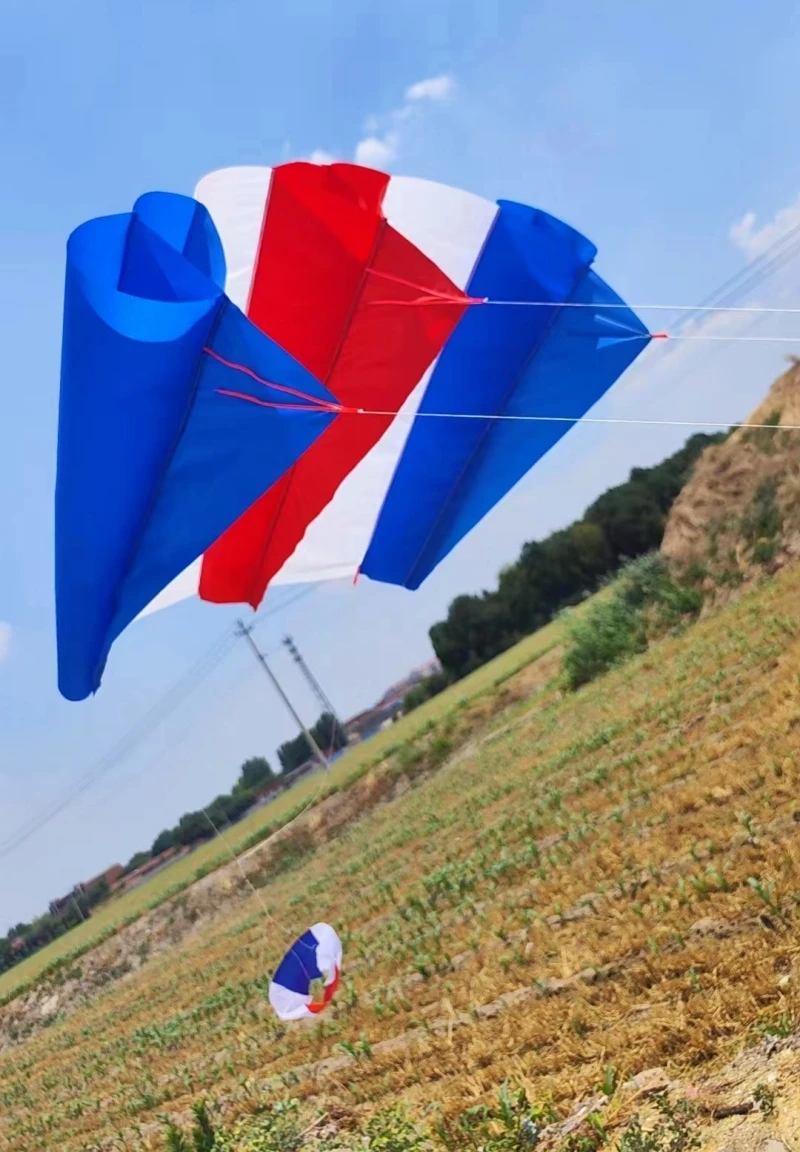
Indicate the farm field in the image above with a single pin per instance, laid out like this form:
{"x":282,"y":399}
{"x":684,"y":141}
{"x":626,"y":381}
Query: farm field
{"x":349,"y":766}
{"x":611,"y":877}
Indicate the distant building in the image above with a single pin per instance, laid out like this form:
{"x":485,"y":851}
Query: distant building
{"x":111,"y":876}
{"x":367,"y":723}
{"x":264,"y":795}
{"x":390,"y":705}
{"x":57,"y":907}
{"x":400,"y":690}
{"x":150,"y":867}
{"x":287,"y":779}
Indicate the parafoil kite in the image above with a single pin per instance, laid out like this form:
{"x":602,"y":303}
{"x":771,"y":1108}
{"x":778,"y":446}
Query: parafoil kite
{"x":306,"y":979}
{"x":296,"y":376}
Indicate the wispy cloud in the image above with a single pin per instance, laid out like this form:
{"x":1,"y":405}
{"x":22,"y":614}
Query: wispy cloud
{"x":5,"y":640}
{"x":380,"y":145}
{"x":377,"y":151}
{"x":753,"y":240}
{"x":434,"y":88}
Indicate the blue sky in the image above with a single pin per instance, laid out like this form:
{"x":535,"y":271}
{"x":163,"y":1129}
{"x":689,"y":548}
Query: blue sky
{"x":666,"y":135}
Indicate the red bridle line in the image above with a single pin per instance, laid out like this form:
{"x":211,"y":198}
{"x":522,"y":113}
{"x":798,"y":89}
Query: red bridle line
{"x":311,"y":401}
{"x":327,"y":995}
{"x":282,"y":405}
{"x":426,"y":296}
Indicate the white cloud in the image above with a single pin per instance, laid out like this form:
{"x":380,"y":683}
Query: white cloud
{"x":404,"y":112}
{"x":5,"y":640}
{"x":376,"y":151}
{"x":752,"y":240}
{"x":320,"y":156}
{"x":381,"y":144}
{"x":434,"y":88}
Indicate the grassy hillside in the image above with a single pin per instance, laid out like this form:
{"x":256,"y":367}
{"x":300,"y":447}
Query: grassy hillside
{"x":610,"y":877}
{"x":626,"y":521}
{"x":352,"y":764}
{"x":739,"y":515}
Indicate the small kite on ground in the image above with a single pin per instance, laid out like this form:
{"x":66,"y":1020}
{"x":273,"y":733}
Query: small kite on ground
{"x":307,"y":977}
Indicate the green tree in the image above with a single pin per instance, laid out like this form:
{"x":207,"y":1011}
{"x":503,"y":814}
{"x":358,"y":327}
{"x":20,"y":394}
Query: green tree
{"x":237,"y":804}
{"x":136,"y":861}
{"x":193,"y":826}
{"x":633,"y":515}
{"x":476,"y":629}
{"x":99,"y":891}
{"x":328,"y":734}
{"x":254,"y":773}
{"x":426,"y":689}
{"x":164,"y":840}
{"x":7,"y":956}
{"x":625,"y":522}
{"x":293,"y":753}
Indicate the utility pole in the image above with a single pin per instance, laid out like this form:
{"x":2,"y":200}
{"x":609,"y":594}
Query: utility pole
{"x":314,"y":684}
{"x":246,"y":631}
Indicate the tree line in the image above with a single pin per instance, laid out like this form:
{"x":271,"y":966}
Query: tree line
{"x":328,"y":736}
{"x":49,"y":927}
{"x":626,"y":522}
{"x":255,"y":775}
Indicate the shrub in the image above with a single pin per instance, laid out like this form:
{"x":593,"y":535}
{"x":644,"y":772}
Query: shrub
{"x":609,"y":634}
{"x":426,"y":689}
{"x":511,"y":1125}
{"x":676,"y":1130}
{"x":274,"y":1129}
{"x":648,"y":582}
{"x":392,"y":1131}
{"x":289,"y":851}
{"x":646,"y":598}
{"x":762,"y":524}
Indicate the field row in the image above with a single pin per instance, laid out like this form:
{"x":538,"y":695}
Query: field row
{"x":613,"y":875}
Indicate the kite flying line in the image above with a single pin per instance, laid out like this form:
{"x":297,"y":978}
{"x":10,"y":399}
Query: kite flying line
{"x":525,"y":418}
{"x":141,"y":730}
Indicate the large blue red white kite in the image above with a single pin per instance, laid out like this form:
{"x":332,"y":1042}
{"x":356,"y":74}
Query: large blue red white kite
{"x":296,"y":375}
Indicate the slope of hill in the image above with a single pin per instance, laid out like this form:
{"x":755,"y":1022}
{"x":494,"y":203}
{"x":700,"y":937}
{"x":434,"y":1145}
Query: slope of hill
{"x":610,"y":878}
{"x":587,"y":897}
{"x":489,"y":688}
{"x":738,"y":517}
{"x":563,"y":569}
{"x":560,"y":570}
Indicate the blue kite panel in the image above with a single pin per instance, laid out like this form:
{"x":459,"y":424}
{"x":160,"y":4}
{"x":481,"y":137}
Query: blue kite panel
{"x":140,"y":417}
{"x":502,"y":360}
{"x":229,"y":453}
{"x":299,"y":966}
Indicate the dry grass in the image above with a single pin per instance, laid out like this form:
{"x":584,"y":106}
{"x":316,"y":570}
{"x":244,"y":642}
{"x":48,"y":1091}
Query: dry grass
{"x":614,"y":875}
{"x":739,"y":514}
{"x":349,"y":767}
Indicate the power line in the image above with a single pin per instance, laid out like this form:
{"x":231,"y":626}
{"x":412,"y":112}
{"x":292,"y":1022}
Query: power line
{"x":141,"y":730}
{"x":315,"y":685}
{"x":267,"y":612}
{"x":777,"y":256}
{"x":531,"y":418}
{"x":316,"y":751}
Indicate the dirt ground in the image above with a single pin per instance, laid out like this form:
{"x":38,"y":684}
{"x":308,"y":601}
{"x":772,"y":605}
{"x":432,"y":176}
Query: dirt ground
{"x":548,"y":885}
